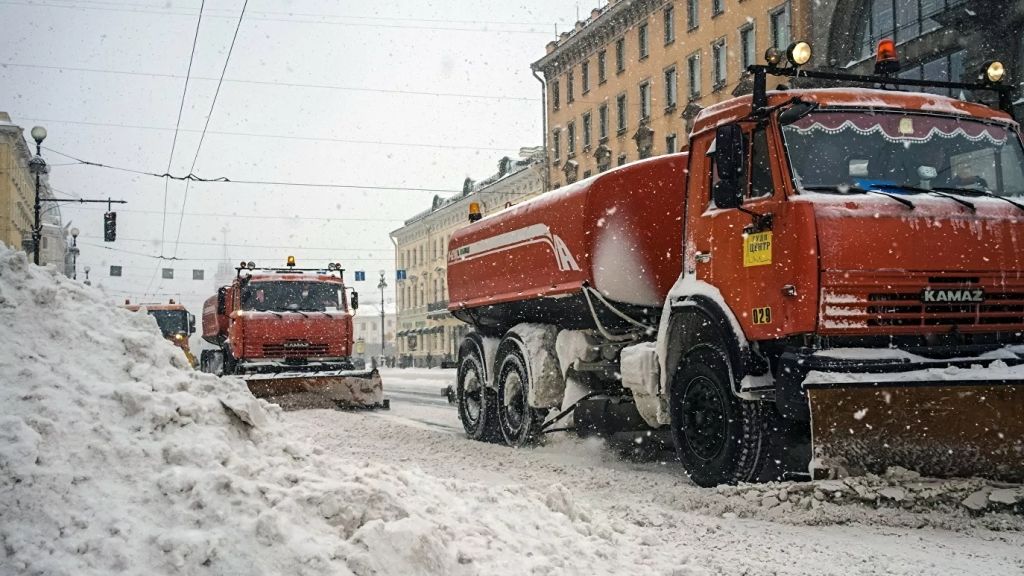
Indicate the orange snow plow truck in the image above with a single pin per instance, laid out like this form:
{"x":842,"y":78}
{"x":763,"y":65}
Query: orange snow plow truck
{"x":175,"y":322}
{"x":288,"y":333}
{"x":830,"y":281}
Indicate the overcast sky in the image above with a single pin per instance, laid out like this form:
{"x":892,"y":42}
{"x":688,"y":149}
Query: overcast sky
{"x":398,"y":94}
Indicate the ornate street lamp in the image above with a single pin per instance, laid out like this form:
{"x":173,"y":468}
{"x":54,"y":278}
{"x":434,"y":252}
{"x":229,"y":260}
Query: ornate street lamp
{"x":74,"y":254}
{"x":38,"y":167}
{"x":382,"y":285}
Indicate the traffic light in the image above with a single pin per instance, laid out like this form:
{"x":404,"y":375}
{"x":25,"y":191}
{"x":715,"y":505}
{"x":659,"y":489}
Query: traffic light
{"x":109,"y":226}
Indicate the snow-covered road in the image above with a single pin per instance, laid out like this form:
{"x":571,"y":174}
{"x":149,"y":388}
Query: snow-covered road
{"x":693,"y":530}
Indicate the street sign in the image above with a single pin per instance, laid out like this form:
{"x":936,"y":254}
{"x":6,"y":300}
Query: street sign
{"x":360,"y":275}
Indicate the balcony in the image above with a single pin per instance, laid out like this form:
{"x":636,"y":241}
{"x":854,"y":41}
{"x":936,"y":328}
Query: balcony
{"x":437,"y":309}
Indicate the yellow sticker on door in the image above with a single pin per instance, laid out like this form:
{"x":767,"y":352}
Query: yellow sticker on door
{"x":757,"y":249}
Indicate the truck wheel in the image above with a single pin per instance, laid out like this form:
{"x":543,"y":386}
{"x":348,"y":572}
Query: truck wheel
{"x":475,"y":401}
{"x":519,"y":422}
{"x":719,"y":438}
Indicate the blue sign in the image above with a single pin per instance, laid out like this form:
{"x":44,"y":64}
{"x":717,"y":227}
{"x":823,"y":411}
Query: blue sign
{"x":360,"y":275}
{"x":399,"y":274}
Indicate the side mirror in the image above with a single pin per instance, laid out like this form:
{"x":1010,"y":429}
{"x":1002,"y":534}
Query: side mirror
{"x":191,"y":323}
{"x":354,"y":300}
{"x":730,"y":162}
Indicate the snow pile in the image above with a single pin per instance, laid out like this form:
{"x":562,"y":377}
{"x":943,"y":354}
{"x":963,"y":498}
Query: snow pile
{"x":114,"y":457}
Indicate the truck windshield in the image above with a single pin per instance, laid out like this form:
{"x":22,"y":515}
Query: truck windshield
{"x":295,"y":296}
{"x":171,"y":322}
{"x":860,"y":151}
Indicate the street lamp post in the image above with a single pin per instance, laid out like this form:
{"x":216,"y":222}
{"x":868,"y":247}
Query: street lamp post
{"x":87,"y":283}
{"x":74,"y":253}
{"x":38,"y":167}
{"x":382,"y":285}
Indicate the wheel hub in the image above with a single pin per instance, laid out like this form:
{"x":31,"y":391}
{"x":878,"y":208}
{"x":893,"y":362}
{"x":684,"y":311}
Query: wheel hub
{"x":704,"y":418}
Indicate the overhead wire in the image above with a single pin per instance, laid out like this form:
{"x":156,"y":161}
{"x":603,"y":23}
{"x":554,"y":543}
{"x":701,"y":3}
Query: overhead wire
{"x":224,"y":180}
{"x":177,"y":124}
{"x":202,"y":138}
{"x":485,"y":29}
{"x":278,"y":83}
{"x":280,"y":136}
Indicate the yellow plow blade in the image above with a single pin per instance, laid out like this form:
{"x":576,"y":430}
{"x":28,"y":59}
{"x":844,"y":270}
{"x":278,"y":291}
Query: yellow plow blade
{"x":323,"y":389}
{"x":937,"y":428}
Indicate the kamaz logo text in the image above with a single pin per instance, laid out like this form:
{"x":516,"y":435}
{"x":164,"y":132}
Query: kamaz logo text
{"x":974,"y":295}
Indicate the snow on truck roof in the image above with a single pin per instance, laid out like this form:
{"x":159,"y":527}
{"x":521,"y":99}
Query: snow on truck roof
{"x":851,"y":97}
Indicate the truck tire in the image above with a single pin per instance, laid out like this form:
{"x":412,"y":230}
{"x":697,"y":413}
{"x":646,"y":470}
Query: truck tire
{"x":719,"y":438}
{"x":476,"y":403}
{"x":519,"y":422}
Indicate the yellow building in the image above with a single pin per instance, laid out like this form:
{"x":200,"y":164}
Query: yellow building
{"x":17,"y":185}
{"x":427,"y":333}
{"x":625,"y":83}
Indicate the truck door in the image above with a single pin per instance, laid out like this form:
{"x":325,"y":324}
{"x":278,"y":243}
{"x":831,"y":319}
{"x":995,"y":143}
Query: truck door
{"x":744,"y":251}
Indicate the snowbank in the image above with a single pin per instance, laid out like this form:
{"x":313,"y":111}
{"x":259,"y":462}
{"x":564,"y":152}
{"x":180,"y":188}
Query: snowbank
{"x":115,"y":457}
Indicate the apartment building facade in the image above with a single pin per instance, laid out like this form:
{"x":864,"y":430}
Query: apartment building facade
{"x":427,"y":334}
{"x":625,"y":83}
{"x":17,"y":200}
{"x":366,"y":329}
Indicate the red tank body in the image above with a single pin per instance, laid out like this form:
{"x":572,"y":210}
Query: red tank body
{"x":619,"y":232}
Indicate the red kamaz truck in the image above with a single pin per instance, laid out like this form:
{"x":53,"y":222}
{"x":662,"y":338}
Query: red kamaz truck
{"x":288,"y":333}
{"x":830,"y":281}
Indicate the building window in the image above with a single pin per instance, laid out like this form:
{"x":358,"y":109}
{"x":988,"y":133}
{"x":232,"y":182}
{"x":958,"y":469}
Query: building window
{"x":585,"y":76}
{"x":719,"y":57}
{"x":645,"y":100}
{"x":748,"y":54}
{"x":115,"y":270}
{"x":717,"y":7}
{"x":779,"y":21}
{"x":620,"y":55}
{"x":670,"y":24}
{"x":641,"y":37}
{"x":571,"y":140}
{"x":900,"y":19}
{"x":569,"y":97}
{"x":554,"y":95}
{"x":602,"y":67}
{"x":948,"y":68}
{"x":693,"y":69}
{"x":167,"y":273}
{"x":671,"y":90}
{"x":670,"y":144}
{"x":620,"y":109}
{"x":198,"y":274}
{"x":602,"y":122}
{"x":622,"y":159}
{"x":586,"y":131}
{"x":692,"y":14}
{"x":556,"y":145}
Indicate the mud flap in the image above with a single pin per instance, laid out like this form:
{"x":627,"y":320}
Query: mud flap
{"x":325,"y":389}
{"x":937,"y":428}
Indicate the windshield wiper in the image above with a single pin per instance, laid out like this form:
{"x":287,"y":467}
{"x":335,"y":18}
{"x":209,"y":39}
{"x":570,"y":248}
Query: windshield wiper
{"x":856,"y":190}
{"x":976,"y":192}
{"x":919,"y":190}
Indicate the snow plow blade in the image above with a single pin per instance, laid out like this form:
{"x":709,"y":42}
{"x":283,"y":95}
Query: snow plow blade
{"x":324,"y":389}
{"x":942,"y":428}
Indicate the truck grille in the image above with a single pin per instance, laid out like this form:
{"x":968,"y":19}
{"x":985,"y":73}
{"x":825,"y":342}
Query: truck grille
{"x":863,"y":303}
{"x":293,"y":349}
